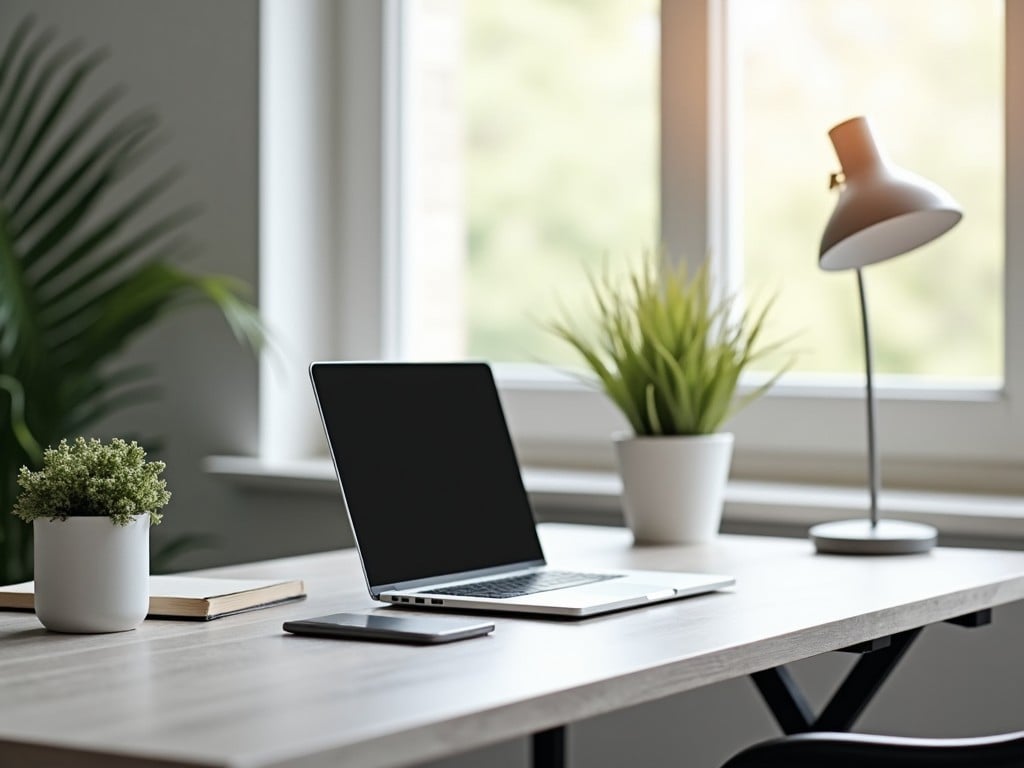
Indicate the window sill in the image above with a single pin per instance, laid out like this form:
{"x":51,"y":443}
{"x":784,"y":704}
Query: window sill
{"x":756,"y":507}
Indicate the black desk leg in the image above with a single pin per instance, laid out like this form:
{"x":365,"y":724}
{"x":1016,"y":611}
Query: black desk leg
{"x":784,"y":699}
{"x":794,"y":714}
{"x":549,"y":748}
{"x":862,"y":683}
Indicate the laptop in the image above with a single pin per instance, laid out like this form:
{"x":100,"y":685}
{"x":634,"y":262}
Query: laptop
{"x":433,"y":492}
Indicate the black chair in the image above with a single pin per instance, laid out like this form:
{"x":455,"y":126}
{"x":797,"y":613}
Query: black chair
{"x":854,"y":750}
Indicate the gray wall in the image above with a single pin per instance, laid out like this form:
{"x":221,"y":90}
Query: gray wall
{"x":196,"y":61}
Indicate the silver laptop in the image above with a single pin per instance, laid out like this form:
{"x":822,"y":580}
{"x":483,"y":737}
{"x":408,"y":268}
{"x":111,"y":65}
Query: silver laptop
{"x":435,"y":497}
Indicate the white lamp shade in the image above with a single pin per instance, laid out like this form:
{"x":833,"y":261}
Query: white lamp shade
{"x":883,"y":210}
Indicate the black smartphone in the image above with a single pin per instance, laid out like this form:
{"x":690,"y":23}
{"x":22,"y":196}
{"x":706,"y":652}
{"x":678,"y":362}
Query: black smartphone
{"x":421,"y":630}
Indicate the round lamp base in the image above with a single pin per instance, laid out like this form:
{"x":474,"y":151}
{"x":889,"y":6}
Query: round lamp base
{"x":859,"y":537}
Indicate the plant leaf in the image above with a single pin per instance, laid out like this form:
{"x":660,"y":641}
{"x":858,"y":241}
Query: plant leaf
{"x":80,"y":275}
{"x":24,"y":436}
{"x":10,"y":116}
{"x":56,"y":107}
{"x":665,"y":351}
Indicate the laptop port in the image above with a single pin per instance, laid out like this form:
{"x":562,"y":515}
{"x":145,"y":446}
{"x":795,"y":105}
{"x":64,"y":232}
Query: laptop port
{"x":420,"y":600}
{"x":435,"y":601}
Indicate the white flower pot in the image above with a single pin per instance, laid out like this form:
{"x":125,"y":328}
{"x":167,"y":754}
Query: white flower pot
{"x":673,"y":487}
{"x":91,"y":575}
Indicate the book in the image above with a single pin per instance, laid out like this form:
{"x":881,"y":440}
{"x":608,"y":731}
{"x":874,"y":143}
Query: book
{"x":189,"y":597}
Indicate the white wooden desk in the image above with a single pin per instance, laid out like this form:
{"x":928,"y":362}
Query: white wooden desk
{"x":240,"y":692}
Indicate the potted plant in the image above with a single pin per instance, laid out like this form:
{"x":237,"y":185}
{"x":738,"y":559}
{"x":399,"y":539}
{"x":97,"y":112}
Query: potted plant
{"x":91,"y":247}
{"x":91,"y":505}
{"x":669,"y":356}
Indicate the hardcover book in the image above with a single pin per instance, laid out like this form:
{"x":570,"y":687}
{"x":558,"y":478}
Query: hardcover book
{"x":189,"y":597}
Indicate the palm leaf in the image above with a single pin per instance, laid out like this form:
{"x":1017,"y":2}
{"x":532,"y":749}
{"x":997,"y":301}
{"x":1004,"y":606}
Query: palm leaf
{"x":27,"y":111}
{"x":66,"y":209}
{"x":70,"y":299}
{"x":10,"y":116}
{"x":99,"y":235}
{"x":70,"y":141}
{"x":19,"y":427}
{"x":80,"y":275}
{"x":53,"y":111}
{"x":13,"y":48}
{"x":19,"y":329}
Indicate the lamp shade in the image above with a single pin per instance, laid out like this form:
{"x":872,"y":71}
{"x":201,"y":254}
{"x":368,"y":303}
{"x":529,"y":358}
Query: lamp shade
{"x":883,"y":210}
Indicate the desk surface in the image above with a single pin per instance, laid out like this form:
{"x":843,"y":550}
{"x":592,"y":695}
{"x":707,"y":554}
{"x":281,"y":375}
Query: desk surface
{"x":240,"y":692}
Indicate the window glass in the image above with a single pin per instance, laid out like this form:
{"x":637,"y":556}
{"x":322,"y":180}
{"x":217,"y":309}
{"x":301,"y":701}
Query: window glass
{"x":929,"y":75}
{"x":531,"y":135}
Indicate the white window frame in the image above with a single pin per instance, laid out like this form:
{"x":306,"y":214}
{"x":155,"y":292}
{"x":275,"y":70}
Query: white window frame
{"x":966,"y":440}
{"x":963,"y":439}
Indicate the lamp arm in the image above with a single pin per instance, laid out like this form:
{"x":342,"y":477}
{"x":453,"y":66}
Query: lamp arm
{"x":874,"y":473}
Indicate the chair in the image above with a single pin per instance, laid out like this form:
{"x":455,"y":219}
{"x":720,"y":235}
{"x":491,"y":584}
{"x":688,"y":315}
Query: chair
{"x":850,"y":750}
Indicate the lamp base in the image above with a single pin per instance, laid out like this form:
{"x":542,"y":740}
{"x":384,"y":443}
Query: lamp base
{"x":858,"y":537}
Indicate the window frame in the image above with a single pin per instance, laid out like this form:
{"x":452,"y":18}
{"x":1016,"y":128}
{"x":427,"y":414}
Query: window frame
{"x":948,"y":438}
{"x":962,"y":439}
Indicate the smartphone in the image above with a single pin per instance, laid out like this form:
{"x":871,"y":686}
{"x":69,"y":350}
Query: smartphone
{"x":420,"y":630}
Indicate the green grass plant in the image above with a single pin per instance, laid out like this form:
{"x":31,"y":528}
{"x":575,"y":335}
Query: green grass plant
{"x":667,"y":353}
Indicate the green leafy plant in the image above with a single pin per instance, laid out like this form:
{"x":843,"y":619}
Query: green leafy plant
{"x":89,"y":254}
{"x":665,"y":351}
{"x":89,"y":479}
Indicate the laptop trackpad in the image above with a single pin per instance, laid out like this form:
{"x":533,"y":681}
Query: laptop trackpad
{"x":602,"y":592}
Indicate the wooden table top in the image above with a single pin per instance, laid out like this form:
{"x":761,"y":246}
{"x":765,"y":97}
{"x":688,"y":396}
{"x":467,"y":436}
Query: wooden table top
{"x":238,"y":691}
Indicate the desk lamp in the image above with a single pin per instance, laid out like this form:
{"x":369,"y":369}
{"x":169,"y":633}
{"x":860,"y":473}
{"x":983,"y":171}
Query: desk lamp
{"x":882,"y":211}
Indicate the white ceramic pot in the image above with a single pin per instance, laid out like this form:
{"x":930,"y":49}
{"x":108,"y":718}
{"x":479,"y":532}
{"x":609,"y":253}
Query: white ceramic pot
{"x":91,"y":575}
{"x":673,"y":487}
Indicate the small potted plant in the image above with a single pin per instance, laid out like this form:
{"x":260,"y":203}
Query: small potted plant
{"x":91,"y":505}
{"x":669,"y":356}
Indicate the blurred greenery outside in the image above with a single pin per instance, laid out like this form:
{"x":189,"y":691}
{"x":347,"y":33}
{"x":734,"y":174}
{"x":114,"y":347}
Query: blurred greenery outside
{"x":561,"y":166}
{"x":560,"y":104}
{"x":929,"y":75}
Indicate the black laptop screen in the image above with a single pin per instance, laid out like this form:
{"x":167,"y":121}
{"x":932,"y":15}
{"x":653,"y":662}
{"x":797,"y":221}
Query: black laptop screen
{"x":426,"y":466}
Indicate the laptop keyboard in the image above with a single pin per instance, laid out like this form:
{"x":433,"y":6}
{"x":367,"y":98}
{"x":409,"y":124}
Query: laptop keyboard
{"x":525,"y":584}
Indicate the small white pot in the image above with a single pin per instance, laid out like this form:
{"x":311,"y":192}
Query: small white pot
{"x":91,"y":575}
{"x":673,"y":487}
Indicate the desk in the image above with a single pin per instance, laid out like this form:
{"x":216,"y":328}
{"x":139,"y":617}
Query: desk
{"x":239,"y":692}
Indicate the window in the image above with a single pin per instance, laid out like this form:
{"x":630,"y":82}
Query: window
{"x":930,"y":76}
{"x":529,"y":147}
{"x":933,"y":77}
{"x":681,"y":58}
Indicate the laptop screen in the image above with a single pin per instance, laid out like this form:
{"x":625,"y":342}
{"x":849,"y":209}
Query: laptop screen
{"x":427,"y":468}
